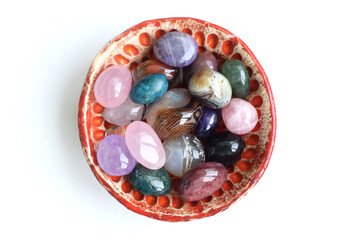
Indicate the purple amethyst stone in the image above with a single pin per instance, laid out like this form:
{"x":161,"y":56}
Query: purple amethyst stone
{"x":208,"y":122}
{"x":114,"y":157}
{"x":176,"y":49}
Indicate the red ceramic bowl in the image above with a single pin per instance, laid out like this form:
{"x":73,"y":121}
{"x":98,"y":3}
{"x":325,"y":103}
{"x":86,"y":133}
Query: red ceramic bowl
{"x":134,"y":46}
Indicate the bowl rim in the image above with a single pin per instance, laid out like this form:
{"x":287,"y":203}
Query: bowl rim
{"x":85,"y":141}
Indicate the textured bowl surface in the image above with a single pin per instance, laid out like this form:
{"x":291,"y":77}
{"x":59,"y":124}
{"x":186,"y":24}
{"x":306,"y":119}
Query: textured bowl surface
{"x":133,"y":47}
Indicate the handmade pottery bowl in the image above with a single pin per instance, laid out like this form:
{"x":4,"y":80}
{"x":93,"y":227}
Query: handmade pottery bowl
{"x":133,"y":47}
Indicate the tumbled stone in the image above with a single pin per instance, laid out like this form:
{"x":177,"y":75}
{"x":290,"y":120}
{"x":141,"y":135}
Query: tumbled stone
{"x":113,"y":86}
{"x":225,"y":148}
{"x":208,"y":122}
{"x":113,"y":156}
{"x":204,"y":59}
{"x":202,"y":181}
{"x":153,"y":66}
{"x":149,"y":89}
{"x":124,"y":114}
{"x":145,"y":145}
{"x":236,"y":73}
{"x":239,"y":116}
{"x":183,"y":153}
{"x":150,"y":182}
{"x":211,"y":88}
{"x":176,"y":49}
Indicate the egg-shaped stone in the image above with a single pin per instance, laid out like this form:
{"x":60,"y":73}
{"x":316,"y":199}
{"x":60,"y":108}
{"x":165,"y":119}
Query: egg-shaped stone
{"x":176,"y":49}
{"x":208,"y":122}
{"x":150,"y":182}
{"x":145,"y":145}
{"x":113,"y":156}
{"x":225,"y":148}
{"x":149,"y":89}
{"x":236,"y":73}
{"x":153,"y":66}
{"x":239,"y":116}
{"x":211,"y":88}
{"x":125,"y":113}
{"x":183,"y":153}
{"x":202,"y":181}
{"x":113,"y":86}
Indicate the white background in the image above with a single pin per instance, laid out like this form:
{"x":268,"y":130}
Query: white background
{"x":47,"y":189}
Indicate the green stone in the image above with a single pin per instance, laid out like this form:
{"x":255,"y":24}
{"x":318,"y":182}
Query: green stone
{"x":236,"y":73}
{"x":150,"y":182}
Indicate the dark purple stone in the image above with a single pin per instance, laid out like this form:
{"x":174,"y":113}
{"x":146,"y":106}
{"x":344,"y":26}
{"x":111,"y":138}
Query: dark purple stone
{"x":176,"y":49}
{"x":208,"y":122}
{"x":202,"y":181}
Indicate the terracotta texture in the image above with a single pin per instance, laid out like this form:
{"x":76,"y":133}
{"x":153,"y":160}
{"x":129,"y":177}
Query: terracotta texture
{"x":133,"y":47}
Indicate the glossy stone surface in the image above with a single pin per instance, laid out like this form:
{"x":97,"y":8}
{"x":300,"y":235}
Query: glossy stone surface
{"x":149,"y":89}
{"x":113,"y":86}
{"x":183,"y":153}
{"x":176,"y":49}
{"x":113,"y":156}
{"x":211,"y":88}
{"x":145,"y":145}
{"x":150,"y":182}
{"x":239,"y":116}
{"x":116,"y":130}
{"x":174,"y":114}
{"x":201,"y":181}
{"x":153,"y":66}
{"x":208,"y":122}
{"x":124,"y":114}
{"x":225,"y":148}
{"x":204,"y":59}
{"x":236,"y":73}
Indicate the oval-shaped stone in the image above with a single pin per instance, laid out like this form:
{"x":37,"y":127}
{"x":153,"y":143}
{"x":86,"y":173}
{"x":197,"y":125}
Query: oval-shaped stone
{"x":208,"y":122}
{"x":150,"y":182}
{"x":153,"y":66}
{"x":113,"y":156}
{"x":124,"y":114}
{"x":176,"y":49}
{"x":113,"y":86}
{"x":201,"y":181}
{"x":211,"y":88}
{"x":225,"y":148}
{"x":236,"y":73}
{"x":204,"y":59}
{"x":149,"y":89}
{"x":183,"y":153}
{"x":145,"y":145}
{"x":239,"y":116}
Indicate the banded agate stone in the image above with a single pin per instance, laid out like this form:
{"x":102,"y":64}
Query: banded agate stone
{"x":183,"y":153}
{"x":153,"y":66}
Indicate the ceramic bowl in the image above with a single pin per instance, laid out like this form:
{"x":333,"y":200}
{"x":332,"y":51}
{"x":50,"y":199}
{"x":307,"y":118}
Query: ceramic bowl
{"x":133,"y":47}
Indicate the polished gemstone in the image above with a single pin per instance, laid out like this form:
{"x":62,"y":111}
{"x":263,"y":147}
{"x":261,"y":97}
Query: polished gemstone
{"x":208,"y":122}
{"x":124,"y":114}
{"x":174,"y":114}
{"x":153,"y":66}
{"x":211,"y":88}
{"x":113,"y":86}
{"x":149,"y":89}
{"x":239,"y":116}
{"x":236,"y":73}
{"x":145,"y":145}
{"x":202,"y":181}
{"x":116,"y":130}
{"x":204,"y":59}
{"x":225,"y":148}
{"x":113,"y":156}
{"x":150,"y":182}
{"x":176,"y":49}
{"x":183,"y":153}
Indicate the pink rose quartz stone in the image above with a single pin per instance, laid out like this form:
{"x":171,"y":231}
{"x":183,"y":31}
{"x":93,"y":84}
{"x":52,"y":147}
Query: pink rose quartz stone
{"x":239,"y":116}
{"x":113,"y":86}
{"x":145,"y":145}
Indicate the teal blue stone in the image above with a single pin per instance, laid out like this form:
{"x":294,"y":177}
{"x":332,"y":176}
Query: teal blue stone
{"x":236,"y":73}
{"x":149,"y":89}
{"x":150,"y":182}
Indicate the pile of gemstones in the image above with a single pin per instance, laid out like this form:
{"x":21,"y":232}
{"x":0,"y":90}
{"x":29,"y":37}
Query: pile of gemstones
{"x":166,"y":112}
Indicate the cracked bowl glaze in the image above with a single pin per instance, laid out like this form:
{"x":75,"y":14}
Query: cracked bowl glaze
{"x":133,"y":47}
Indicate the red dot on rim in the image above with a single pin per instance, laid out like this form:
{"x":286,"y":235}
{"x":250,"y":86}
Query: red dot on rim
{"x":236,"y":56}
{"x":227,"y":47}
{"x":121,"y":60}
{"x":254,"y":85}
{"x":257,"y":127}
{"x":228,"y":185}
{"x":98,"y":134}
{"x":257,"y":101}
{"x":252,"y":140}
{"x":236,"y":177}
{"x":187,"y":31}
{"x":151,"y":200}
{"x":249,"y":153}
{"x":177,"y":202}
{"x":206,"y":199}
{"x":126,"y":187}
{"x":212,"y":40}
{"x":137,"y":195}
{"x":98,"y":108}
{"x":159,"y":33}
{"x":244,"y":166}
{"x":115,"y":178}
{"x":218,"y":193}
{"x":163,"y":201}
{"x":97,"y":121}
{"x":199,"y":38}
{"x":144,"y":39}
